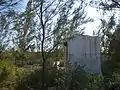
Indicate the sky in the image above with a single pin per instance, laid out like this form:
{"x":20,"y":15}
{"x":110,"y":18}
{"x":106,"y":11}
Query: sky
{"x":92,"y":26}
{"x":91,"y":12}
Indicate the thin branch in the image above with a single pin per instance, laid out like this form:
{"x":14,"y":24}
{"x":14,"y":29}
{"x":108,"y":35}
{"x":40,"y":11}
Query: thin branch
{"x":116,"y":2}
{"x":49,"y":36}
{"x":10,"y":5}
{"x":53,"y":48}
{"x":52,"y":13}
{"x":50,"y":16}
{"x":48,"y":6}
{"x":58,"y":42}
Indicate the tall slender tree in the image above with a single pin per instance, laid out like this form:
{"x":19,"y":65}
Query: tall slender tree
{"x":57,"y":19}
{"x":50,"y":23}
{"x":109,"y":35}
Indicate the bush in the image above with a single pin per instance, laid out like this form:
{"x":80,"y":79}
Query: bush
{"x":33,"y":80}
{"x":99,"y":82}
{"x":9,"y":74}
{"x":96,"y":82}
{"x":14,"y":78}
{"x":73,"y":79}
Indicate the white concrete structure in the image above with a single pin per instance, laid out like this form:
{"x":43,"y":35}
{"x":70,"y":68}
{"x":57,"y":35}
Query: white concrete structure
{"x":85,"y":50}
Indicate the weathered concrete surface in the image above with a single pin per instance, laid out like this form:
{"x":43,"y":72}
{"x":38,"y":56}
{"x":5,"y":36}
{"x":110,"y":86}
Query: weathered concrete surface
{"x":85,"y":50}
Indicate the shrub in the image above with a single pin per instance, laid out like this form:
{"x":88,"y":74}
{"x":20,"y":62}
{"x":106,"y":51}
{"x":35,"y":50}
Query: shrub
{"x":96,"y":82}
{"x":9,"y":74}
{"x":61,"y":79}
{"x":33,"y":80}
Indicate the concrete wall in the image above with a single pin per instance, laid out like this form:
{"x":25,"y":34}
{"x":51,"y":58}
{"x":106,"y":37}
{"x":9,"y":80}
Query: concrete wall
{"x":85,"y":50}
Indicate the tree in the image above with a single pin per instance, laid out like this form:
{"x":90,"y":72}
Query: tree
{"x":106,"y":4}
{"x":114,"y":50}
{"x":105,"y":32}
{"x":18,"y":29}
{"x":8,"y":4}
{"x":68,"y":19}
{"x":109,"y":28}
{"x":24,"y":26}
{"x":51,"y":23}
{"x":110,"y":38}
{"x":110,"y":4}
{"x":5,"y":30}
{"x":7,"y":14}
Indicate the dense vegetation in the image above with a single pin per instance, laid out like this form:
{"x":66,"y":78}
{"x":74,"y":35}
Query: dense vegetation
{"x":32,"y":44}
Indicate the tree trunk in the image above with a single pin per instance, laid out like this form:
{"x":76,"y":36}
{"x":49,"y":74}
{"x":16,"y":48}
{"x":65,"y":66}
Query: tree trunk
{"x":42,"y":47}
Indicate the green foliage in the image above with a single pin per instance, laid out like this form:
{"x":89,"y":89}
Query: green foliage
{"x":96,"y":82}
{"x":9,"y":74}
{"x":33,"y":81}
{"x":15,"y":78}
{"x":72,"y":79}
{"x":110,"y":37}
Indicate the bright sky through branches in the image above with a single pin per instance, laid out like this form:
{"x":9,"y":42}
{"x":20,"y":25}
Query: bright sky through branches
{"x":90,"y":27}
{"x":91,"y":12}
